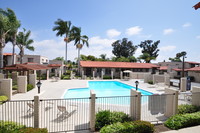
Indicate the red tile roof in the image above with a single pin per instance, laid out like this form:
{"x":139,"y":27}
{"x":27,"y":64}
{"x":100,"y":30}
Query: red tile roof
{"x":54,"y":65}
{"x":108,"y":64}
{"x":163,"y":68}
{"x":179,"y":70}
{"x":26,"y":67}
{"x":194,"y":69}
{"x":6,"y":54}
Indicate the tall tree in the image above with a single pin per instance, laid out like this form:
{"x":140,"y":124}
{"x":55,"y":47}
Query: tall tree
{"x":65,"y":28}
{"x":80,"y":40}
{"x":11,"y":36}
{"x":6,"y":26}
{"x":23,"y":42}
{"x":151,"y":48}
{"x":123,"y":48}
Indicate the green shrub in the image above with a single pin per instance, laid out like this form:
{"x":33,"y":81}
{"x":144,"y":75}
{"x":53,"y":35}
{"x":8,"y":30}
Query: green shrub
{"x":14,"y":87}
{"x":29,"y":87}
{"x":150,"y":82}
{"x":107,"y":117}
{"x":129,"y":127}
{"x":65,"y":77}
{"x":3,"y":99}
{"x":107,"y":77}
{"x":9,"y":126}
{"x":33,"y":130}
{"x":183,"y":120}
{"x":186,"y":108}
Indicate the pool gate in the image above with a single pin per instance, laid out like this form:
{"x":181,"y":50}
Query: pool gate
{"x":75,"y":114}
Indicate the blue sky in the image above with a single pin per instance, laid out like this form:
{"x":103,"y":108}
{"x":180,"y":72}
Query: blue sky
{"x":174,"y":22}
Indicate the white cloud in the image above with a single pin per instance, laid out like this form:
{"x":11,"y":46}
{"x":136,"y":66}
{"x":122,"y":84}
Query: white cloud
{"x":186,"y":25}
{"x":145,"y":36}
{"x":133,"y":31}
{"x":198,"y":37}
{"x":113,"y":33}
{"x":167,"y":48}
{"x":168,"y":31}
{"x":100,"y":41}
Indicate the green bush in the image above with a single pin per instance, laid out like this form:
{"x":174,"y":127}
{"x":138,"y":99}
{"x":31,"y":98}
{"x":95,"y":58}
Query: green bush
{"x":183,"y":120}
{"x":3,"y":99}
{"x":107,"y":77}
{"x":129,"y":127}
{"x":14,"y":87}
{"x":186,"y":108}
{"x":65,"y":77}
{"x":9,"y":126}
{"x":33,"y":130}
{"x":107,"y":117}
{"x":150,"y":82}
{"x":29,"y":87}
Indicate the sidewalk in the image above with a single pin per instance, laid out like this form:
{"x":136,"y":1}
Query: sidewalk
{"x":195,"y":129}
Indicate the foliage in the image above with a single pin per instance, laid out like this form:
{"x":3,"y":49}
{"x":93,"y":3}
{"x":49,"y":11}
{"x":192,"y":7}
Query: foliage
{"x":123,"y":59}
{"x":9,"y":126}
{"x":3,"y":99}
{"x":186,"y":108}
{"x":14,"y":87}
{"x":151,"y":48}
{"x":146,"y":57}
{"x":29,"y":87}
{"x":33,"y":130}
{"x":107,"y":77}
{"x":150,"y":82}
{"x":65,"y":77}
{"x":123,"y":48}
{"x":183,"y":120}
{"x":23,"y":42}
{"x":106,"y":117}
{"x":178,"y":56}
{"x":129,"y":127}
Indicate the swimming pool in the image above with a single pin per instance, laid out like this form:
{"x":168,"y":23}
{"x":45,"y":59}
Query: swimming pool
{"x":103,"y":89}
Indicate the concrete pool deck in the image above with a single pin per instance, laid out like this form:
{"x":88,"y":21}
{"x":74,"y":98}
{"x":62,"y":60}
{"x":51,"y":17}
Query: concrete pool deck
{"x":56,"y":90}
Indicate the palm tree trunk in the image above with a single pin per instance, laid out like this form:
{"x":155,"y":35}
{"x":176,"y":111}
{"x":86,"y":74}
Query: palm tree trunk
{"x":13,"y":55}
{"x":78,"y":61}
{"x":1,"y":58}
{"x":66,"y":52}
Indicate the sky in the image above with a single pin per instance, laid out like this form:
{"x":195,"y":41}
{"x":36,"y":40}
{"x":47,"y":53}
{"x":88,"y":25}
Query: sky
{"x":174,"y":22}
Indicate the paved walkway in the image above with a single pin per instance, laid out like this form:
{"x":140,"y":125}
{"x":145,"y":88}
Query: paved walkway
{"x":195,"y":129}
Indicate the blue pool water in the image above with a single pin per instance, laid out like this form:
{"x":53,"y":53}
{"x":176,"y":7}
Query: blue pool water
{"x":103,"y":89}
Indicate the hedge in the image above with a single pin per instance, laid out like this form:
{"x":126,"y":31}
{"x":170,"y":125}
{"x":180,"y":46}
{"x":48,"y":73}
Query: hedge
{"x":29,"y":87}
{"x":107,"y":117}
{"x":3,"y":99}
{"x":183,"y":120}
{"x":129,"y":127}
{"x":9,"y":126}
{"x":33,"y":130}
{"x":186,"y":108}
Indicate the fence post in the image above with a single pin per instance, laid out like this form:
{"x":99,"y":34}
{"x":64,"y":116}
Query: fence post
{"x":171,"y":102}
{"x":36,"y":111}
{"x":183,"y":84}
{"x":135,"y":105}
{"x":6,"y":88}
{"x":92,"y":110}
{"x":195,"y":95}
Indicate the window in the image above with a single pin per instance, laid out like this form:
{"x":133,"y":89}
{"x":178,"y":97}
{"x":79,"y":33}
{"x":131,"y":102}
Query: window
{"x":30,"y":59}
{"x":18,"y":59}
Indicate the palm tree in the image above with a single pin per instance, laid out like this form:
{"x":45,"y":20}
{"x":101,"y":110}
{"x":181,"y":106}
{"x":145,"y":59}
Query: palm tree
{"x":23,"y":42}
{"x":80,"y":40}
{"x":146,"y":57}
{"x":7,"y":24}
{"x":11,"y":37}
{"x":65,"y":28}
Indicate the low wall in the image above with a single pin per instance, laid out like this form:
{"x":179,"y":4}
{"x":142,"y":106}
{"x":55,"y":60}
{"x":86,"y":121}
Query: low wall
{"x":158,"y":78}
{"x":6,"y":88}
{"x":140,"y":75}
{"x":148,"y":77}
